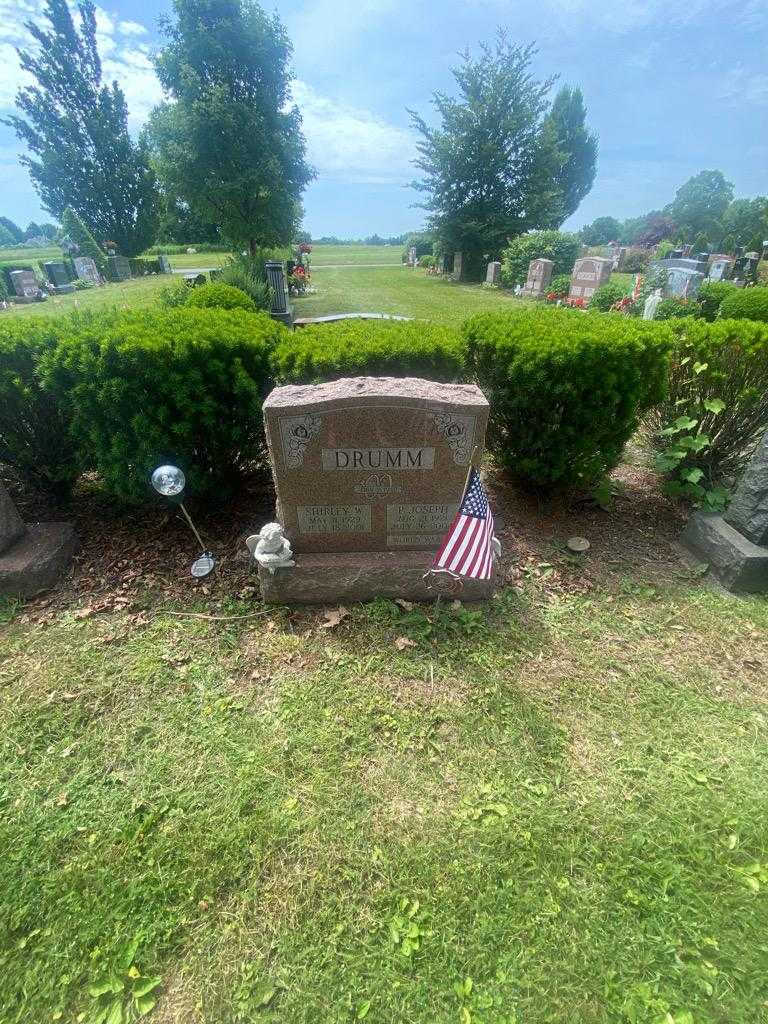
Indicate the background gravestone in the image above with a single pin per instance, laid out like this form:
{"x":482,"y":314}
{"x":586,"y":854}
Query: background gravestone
{"x":369,"y":472}
{"x":119,"y":268}
{"x":165,"y":265}
{"x":458,"y":266}
{"x":539,"y":277}
{"x":31,"y":558}
{"x":57,"y":273}
{"x":736,"y":545}
{"x":279,"y":308}
{"x":25,"y":286}
{"x":86,"y":269}
{"x":493,"y":274}
{"x":720,"y":268}
{"x":589,"y":274}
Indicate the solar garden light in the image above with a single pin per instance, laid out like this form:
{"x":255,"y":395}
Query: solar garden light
{"x":170,"y":482}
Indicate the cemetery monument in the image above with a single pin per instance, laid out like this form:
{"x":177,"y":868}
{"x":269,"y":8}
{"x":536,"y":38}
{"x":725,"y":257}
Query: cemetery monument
{"x":26,"y":287}
{"x":539,"y":277}
{"x":86,"y":270}
{"x":493,"y":274}
{"x":458,"y":266}
{"x":736,"y":544}
{"x":369,"y":473}
{"x":589,"y":274}
{"x":31,"y":558}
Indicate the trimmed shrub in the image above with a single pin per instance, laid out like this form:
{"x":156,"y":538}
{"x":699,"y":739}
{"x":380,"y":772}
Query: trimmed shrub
{"x":560,"y":284}
{"x":33,"y":423}
{"x":711,"y":296}
{"x":183,"y":386}
{"x":248,"y":274}
{"x":606,"y":296}
{"x":559,"y":246}
{"x":173,"y":295}
{"x":427,"y":262}
{"x":219,"y":296}
{"x":566,"y":391}
{"x":75,"y":227}
{"x":675,"y":307}
{"x":746,"y":304}
{"x":352,"y":348}
{"x":718,"y":395}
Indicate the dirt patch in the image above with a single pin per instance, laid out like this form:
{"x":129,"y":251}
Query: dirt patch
{"x":131,"y":558}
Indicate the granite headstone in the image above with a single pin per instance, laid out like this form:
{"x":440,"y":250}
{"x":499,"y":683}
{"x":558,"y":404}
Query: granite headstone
{"x":539,"y":277}
{"x":589,"y":274}
{"x":371,"y":468}
{"x":86,"y":269}
{"x":119,"y":268}
{"x":493,"y":274}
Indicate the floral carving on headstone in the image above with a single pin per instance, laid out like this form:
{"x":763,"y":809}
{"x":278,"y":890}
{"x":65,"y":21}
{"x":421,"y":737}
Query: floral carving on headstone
{"x":458,"y":431}
{"x":297,"y":432}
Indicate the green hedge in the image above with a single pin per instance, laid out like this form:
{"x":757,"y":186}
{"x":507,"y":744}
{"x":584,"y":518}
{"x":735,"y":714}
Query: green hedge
{"x":723,"y":363}
{"x":711,"y":296}
{"x":606,"y":296}
{"x":220,"y":296}
{"x":676,"y":307}
{"x":566,"y":390}
{"x":182,"y":386}
{"x":141,"y":267}
{"x":351,"y":348}
{"x":33,"y":423}
{"x":746,"y":304}
{"x":560,"y":246}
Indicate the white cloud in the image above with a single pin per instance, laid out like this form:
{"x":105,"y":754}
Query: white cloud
{"x":740,"y":86}
{"x":131,"y":28}
{"x":124,"y":59}
{"x":350,"y":144}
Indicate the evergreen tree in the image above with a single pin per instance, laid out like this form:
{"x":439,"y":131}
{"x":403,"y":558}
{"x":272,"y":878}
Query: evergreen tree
{"x":75,"y":128}
{"x":6,"y":238}
{"x":575,"y":160}
{"x":494,"y":168}
{"x":14,"y":229}
{"x":227,"y":144}
{"x":600,"y":231}
{"x":74,"y":228}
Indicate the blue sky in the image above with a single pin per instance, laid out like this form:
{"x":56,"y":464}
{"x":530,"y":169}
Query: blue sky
{"x":671,"y":89}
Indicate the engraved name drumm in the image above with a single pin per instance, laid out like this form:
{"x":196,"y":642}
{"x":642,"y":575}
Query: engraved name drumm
{"x":377,"y":458}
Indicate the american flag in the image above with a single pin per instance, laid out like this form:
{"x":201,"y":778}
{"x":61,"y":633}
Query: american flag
{"x":468,"y":546}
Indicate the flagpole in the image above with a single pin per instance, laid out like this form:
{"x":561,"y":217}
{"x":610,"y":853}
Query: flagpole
{"x":469,"y":471}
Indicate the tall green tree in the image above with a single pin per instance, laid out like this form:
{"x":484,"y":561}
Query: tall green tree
{"x":227,"y":143}
{"x":575,"y":151}
{"x":699,"y":206}
{"x":75,"y":128}
{"x":745,"y":223}
{"x":13,"y":228}
{"x":600,"y":231}
{"x":493,"y":166}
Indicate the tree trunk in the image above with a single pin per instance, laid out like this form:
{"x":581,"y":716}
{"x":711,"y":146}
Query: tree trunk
{"x":252,"y":246}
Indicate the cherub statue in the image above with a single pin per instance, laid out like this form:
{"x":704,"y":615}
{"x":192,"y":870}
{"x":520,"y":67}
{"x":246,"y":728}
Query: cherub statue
{"x":271,"y":548}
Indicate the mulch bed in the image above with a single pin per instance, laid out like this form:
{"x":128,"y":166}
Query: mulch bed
{"x":141,"y":557}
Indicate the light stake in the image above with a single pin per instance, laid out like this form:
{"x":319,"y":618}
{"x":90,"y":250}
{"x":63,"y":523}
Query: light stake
{"x":170,"y":482}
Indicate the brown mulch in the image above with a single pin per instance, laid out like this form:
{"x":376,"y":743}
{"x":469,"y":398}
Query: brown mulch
{"x":135,"y":558}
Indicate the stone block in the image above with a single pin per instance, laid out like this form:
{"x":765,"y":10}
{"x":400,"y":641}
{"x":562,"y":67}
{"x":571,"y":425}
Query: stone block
{"x":11,"y":525}
{"x":736,"y":561}
{"x":37,"y":559}
{"x":342,"y":577}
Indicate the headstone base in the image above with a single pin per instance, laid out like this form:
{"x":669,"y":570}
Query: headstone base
{"x":362,"y":576}
{"x":37,"y":559}
{"x":63,"y":289}
{"x":25,"y":300}
{"x":740,"y":565}
{"x":284,"y":318}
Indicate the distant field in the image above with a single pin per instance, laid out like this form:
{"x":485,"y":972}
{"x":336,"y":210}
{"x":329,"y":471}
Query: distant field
{"x":22,"y":255}
{"x":330,"y":255}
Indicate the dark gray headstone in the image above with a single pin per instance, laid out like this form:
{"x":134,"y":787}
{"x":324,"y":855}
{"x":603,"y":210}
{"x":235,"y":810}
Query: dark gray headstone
{"x":56,"y":272}
{"x":120,"y":268}
{"x":748,"y":511}
{"x":25,"y":284}
{"x":736,"y":545}
{"x":165,"y":264}
{"x":11,"y":526}
{"x":278,"y":286}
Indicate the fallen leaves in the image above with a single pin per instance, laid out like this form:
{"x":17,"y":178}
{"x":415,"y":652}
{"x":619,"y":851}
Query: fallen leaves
{"x":334,"y":617}
{"x":403,"y":642}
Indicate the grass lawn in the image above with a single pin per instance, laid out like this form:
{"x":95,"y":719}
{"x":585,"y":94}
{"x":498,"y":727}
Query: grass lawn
{"x":559,"y":798}
{"x":339,"y":255}
{"x":396,"y":290}
{"x":141,"y":291}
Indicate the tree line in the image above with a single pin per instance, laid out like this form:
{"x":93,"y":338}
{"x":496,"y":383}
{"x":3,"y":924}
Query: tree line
{"x":223,"y":157}
{"x":703,"y":213}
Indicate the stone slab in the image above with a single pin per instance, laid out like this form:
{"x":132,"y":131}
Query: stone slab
{"x":119,"y":268}
{"x":589,"y":274}
{"x":539,"y":278}
{"x":372,"y":463}
{"x":11,"y":525}
{"x":37,"y":560}
{"x":86,"y":269}
{"x":748,"y":511}
{"x":740,"y":565}
{"x":363,"y":576}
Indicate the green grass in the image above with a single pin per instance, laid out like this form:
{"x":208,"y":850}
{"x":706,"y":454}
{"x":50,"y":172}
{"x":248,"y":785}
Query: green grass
{"x":396,"y":290}
{"x":562,"y":800}
{"x":135,"y":294}
{"x":340,"y":255}
{"x":19,"y":254}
